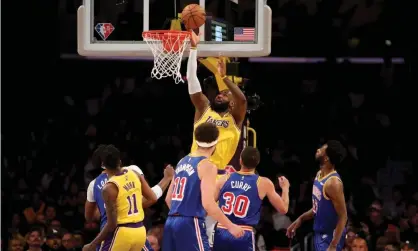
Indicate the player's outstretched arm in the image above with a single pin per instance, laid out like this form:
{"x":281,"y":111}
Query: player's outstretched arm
{"x":335,"y":191}
{"x":281,"y":204}
{"x":207,"y":173}
{"x":157,"y":189}
{"x":240,"y":101}
{"x":147,"y":192}
{"x":110,"y":193}
{"x":199,"y":100}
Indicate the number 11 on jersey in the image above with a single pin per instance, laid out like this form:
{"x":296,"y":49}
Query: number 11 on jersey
{"x":178,"y":189}
{"x":133,"y":207}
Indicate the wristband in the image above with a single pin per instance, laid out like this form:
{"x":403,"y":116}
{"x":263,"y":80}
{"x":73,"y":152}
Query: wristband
{"x":157,"y":191}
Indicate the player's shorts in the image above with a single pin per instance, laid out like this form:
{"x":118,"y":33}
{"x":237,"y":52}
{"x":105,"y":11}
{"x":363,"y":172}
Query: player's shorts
{"x":130,"y":236}
{"x":322,"y":241}
{"x":225,"y":241}
{"x":147,"y":246}
{"x":183,"y":233}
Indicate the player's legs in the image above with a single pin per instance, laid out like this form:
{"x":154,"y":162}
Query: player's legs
{"x":224,"y":241}
{"x":322,"y":241}
{"x":186,"y":233}
{"x":147,"y":246}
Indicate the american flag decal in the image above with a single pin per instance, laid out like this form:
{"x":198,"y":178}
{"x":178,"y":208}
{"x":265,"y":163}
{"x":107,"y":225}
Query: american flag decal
{"x":244,"y":34}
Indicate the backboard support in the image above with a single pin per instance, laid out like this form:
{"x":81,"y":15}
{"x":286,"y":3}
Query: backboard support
{"x":259,"y":45}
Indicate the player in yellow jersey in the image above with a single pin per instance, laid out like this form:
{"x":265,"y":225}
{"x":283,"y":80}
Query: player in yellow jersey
{"x":227,"y":111}
{"x":122,"y":196}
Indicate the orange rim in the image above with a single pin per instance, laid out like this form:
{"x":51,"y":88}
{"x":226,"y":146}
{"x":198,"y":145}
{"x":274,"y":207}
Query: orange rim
{"x":156,"y":34}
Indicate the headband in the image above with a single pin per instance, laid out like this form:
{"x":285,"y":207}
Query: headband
{"x":207,"y":145}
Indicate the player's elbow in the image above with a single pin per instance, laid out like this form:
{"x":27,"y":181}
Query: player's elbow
{"x":89,"y":216}
{"x":284,"y":209}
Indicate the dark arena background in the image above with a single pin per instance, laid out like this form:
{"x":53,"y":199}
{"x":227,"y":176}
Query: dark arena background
{"x":340,"y":70}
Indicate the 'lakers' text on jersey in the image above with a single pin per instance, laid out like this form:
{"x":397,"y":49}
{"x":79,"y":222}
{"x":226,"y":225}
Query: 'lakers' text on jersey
{"x":229,"y":136}
{"x":325,"y":215}
{"x":185,"y":227}
{"x":240,"y":201}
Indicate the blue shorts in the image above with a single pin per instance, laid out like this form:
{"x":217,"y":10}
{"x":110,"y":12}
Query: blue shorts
{"x":183,"y":233}
{"x":225,"y":241}
{"x":322,"y":241}
{"x":147,"y":246}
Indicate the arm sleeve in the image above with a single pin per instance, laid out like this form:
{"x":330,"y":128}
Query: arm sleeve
{"x":192,"y":80}
{"x":90,"y":193}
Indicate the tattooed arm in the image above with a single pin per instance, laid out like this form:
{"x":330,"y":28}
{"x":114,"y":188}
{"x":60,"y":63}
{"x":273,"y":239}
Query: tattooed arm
{"x":110,"y":193}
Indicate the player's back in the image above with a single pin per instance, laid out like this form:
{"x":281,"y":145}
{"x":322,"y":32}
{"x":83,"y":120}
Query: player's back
{"x":229,"y":136}
{"x":326,"y":217}
{"x":239,"y":198}
{"x":99,"y":183}
{"x":129,"y":199}
{"x":240,"y":201}
{"x":186,"y":196}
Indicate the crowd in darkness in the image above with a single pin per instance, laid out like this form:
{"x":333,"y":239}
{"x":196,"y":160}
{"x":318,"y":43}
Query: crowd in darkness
{"x":77,"y":104}
{"x":45,"y":175}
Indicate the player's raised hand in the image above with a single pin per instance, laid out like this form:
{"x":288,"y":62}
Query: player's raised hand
{"x":283,"y":182}
{"x":221,"y":67}
{"x":236,"y":231}
{"x":194,"y":38}
{"x":169,"y":171}
{"x":291,"y":230}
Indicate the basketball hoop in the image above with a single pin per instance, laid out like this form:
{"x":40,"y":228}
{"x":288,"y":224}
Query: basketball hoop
{"x":168,"y":47}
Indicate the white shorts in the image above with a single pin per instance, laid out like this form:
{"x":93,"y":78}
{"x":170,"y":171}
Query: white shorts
{"x":210,"y":229}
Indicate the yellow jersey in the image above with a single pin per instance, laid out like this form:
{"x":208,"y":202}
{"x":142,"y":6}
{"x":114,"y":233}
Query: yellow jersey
{"x":229,"y":136}
{"x":129,"y":200}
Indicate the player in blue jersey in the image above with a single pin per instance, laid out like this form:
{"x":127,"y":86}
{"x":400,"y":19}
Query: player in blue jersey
{"x":192,"y":194}
{"x":240,"y":197}
{"x":328,"y":203}
{"x":94,"y":207}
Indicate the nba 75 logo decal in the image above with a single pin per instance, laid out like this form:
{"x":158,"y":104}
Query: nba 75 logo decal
{"x":104,"y":30}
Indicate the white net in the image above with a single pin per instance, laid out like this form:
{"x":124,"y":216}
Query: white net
{"x":168,"y":48}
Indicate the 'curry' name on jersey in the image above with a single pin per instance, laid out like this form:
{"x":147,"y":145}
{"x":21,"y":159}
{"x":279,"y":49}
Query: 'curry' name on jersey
{"x":240,"y":185}
{"x":218,"y":122}
{"x":185,"y":167}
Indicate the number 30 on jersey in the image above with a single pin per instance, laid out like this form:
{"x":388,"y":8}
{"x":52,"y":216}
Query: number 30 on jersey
{"x":237,"y":205}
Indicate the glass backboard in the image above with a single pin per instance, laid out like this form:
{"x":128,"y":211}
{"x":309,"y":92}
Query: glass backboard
{"x":233,"y":28}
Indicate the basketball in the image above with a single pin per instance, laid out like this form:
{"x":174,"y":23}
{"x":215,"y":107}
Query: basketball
{"x":193,"y":16}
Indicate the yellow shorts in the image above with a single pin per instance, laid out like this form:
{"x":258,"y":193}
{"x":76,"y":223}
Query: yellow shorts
{"x":127,"y":237}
